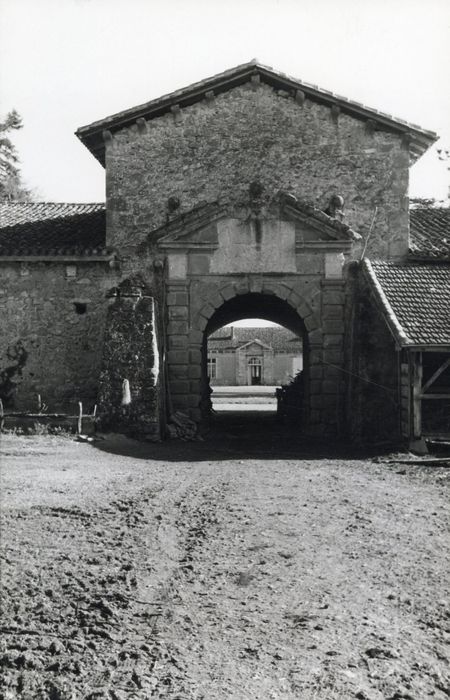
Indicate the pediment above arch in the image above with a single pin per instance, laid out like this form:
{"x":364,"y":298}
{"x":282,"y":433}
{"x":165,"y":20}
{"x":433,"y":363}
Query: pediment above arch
{"x":256,"y":236}
{"x":254,"y":224}
{"x":315,"y":225}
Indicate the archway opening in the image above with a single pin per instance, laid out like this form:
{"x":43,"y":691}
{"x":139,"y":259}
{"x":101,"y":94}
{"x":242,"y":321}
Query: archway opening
{"x":255,"y":353}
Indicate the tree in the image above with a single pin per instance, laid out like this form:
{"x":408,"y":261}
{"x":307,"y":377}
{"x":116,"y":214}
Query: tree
{"x":11,"y":185}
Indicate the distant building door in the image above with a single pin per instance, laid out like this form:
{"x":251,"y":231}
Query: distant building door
{"x":255,"y":371}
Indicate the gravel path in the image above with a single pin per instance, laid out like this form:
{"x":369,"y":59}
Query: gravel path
{"x":171,"y":571}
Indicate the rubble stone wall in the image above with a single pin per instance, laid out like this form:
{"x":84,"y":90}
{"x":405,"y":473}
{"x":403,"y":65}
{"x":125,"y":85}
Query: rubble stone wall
{"x":47,"y":346}
{"x":130,"y":376}
{"x":212,"y":151}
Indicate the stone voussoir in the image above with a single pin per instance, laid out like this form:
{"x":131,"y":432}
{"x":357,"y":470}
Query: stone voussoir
{"x":227,"y":292}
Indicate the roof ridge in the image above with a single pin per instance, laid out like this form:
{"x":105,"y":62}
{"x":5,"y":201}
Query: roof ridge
{"x":92,"y":134}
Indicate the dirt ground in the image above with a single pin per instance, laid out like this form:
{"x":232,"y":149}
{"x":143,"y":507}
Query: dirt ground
{"x":255,"y":569}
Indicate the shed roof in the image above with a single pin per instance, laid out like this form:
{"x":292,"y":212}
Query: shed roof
{"x":414,"y":299}
{"x":30,"y":228}
{"x":92,"y":134}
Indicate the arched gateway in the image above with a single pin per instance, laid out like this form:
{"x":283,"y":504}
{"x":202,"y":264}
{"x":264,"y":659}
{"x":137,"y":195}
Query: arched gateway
{"x":283,"y":262}
{"x":276,"y":259}
{"x":227,"y":199}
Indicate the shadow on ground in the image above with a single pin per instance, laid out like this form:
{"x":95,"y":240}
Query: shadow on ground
{"x":242,"y":435}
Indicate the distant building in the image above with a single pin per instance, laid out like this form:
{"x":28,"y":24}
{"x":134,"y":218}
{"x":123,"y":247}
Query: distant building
{"x":253,"y":356}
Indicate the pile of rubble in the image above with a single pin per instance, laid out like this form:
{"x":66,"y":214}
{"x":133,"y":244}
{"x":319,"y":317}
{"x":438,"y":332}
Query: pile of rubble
{"x":182,"y":427}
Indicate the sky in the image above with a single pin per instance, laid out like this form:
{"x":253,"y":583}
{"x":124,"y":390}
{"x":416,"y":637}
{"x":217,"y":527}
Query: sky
{"x":67,"y":63}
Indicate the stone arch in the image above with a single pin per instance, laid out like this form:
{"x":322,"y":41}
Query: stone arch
{"x":319,"y":308}
{"x":298,"y":316}
{"x":281,"y":291}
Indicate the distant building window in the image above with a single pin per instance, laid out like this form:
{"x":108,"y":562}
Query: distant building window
{"x":212,"y":367}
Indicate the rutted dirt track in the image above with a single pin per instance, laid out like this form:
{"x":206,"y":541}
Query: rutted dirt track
{"x":132,"y":571}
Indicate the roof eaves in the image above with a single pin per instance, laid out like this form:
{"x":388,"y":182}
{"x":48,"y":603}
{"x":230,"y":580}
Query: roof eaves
{"x":91,"y":135}
{"x":391,"y":319}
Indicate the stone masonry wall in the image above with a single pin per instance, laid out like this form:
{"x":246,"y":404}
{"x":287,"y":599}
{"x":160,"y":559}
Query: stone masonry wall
{"x":213,"y":150}
{"x":46,"y":347}
{"x":129,"y":383}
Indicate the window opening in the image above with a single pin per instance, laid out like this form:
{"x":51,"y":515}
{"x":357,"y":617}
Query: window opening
{"x":80,"y":308}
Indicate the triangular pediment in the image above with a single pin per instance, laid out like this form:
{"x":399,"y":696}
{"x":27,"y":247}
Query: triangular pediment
{"x":193,"y":229}
{"x":254,"y":345}
{"x":313,"y":223}
{"x":201,"y":227}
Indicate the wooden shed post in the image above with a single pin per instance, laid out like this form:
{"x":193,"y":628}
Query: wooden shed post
{"x":416,"y":362}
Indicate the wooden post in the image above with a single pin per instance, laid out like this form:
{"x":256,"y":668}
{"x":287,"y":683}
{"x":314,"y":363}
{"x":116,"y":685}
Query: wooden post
{"x":94,"y":412}
{"x":416,"y":358}
{"x":39,"y":403}
{"x":2,"y":416}
{"x":80,"y":418}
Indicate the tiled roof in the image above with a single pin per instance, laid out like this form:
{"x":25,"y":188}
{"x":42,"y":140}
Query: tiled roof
{"x":415,"y":298}
{"x":29,"y":228}
{"x":279,"y":339}
{"x":430,"y":232}
{"x":92,"y":134}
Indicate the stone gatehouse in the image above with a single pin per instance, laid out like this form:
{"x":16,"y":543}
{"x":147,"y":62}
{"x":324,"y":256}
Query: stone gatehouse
{"x":247,"y":194}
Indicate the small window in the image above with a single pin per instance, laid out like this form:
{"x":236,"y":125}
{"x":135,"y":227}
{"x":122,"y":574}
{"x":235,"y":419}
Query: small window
{"x":71,"y":270}
{"x":80,"y":308}
{"x":212,"y":367}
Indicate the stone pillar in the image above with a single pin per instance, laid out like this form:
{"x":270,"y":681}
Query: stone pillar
{"x":130,"y":354}
{"x":332,"y":388}
{"x":177,"y":302}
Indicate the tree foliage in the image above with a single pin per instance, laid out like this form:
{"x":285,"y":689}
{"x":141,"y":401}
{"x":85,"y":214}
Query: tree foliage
{"x":11,"y":185}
